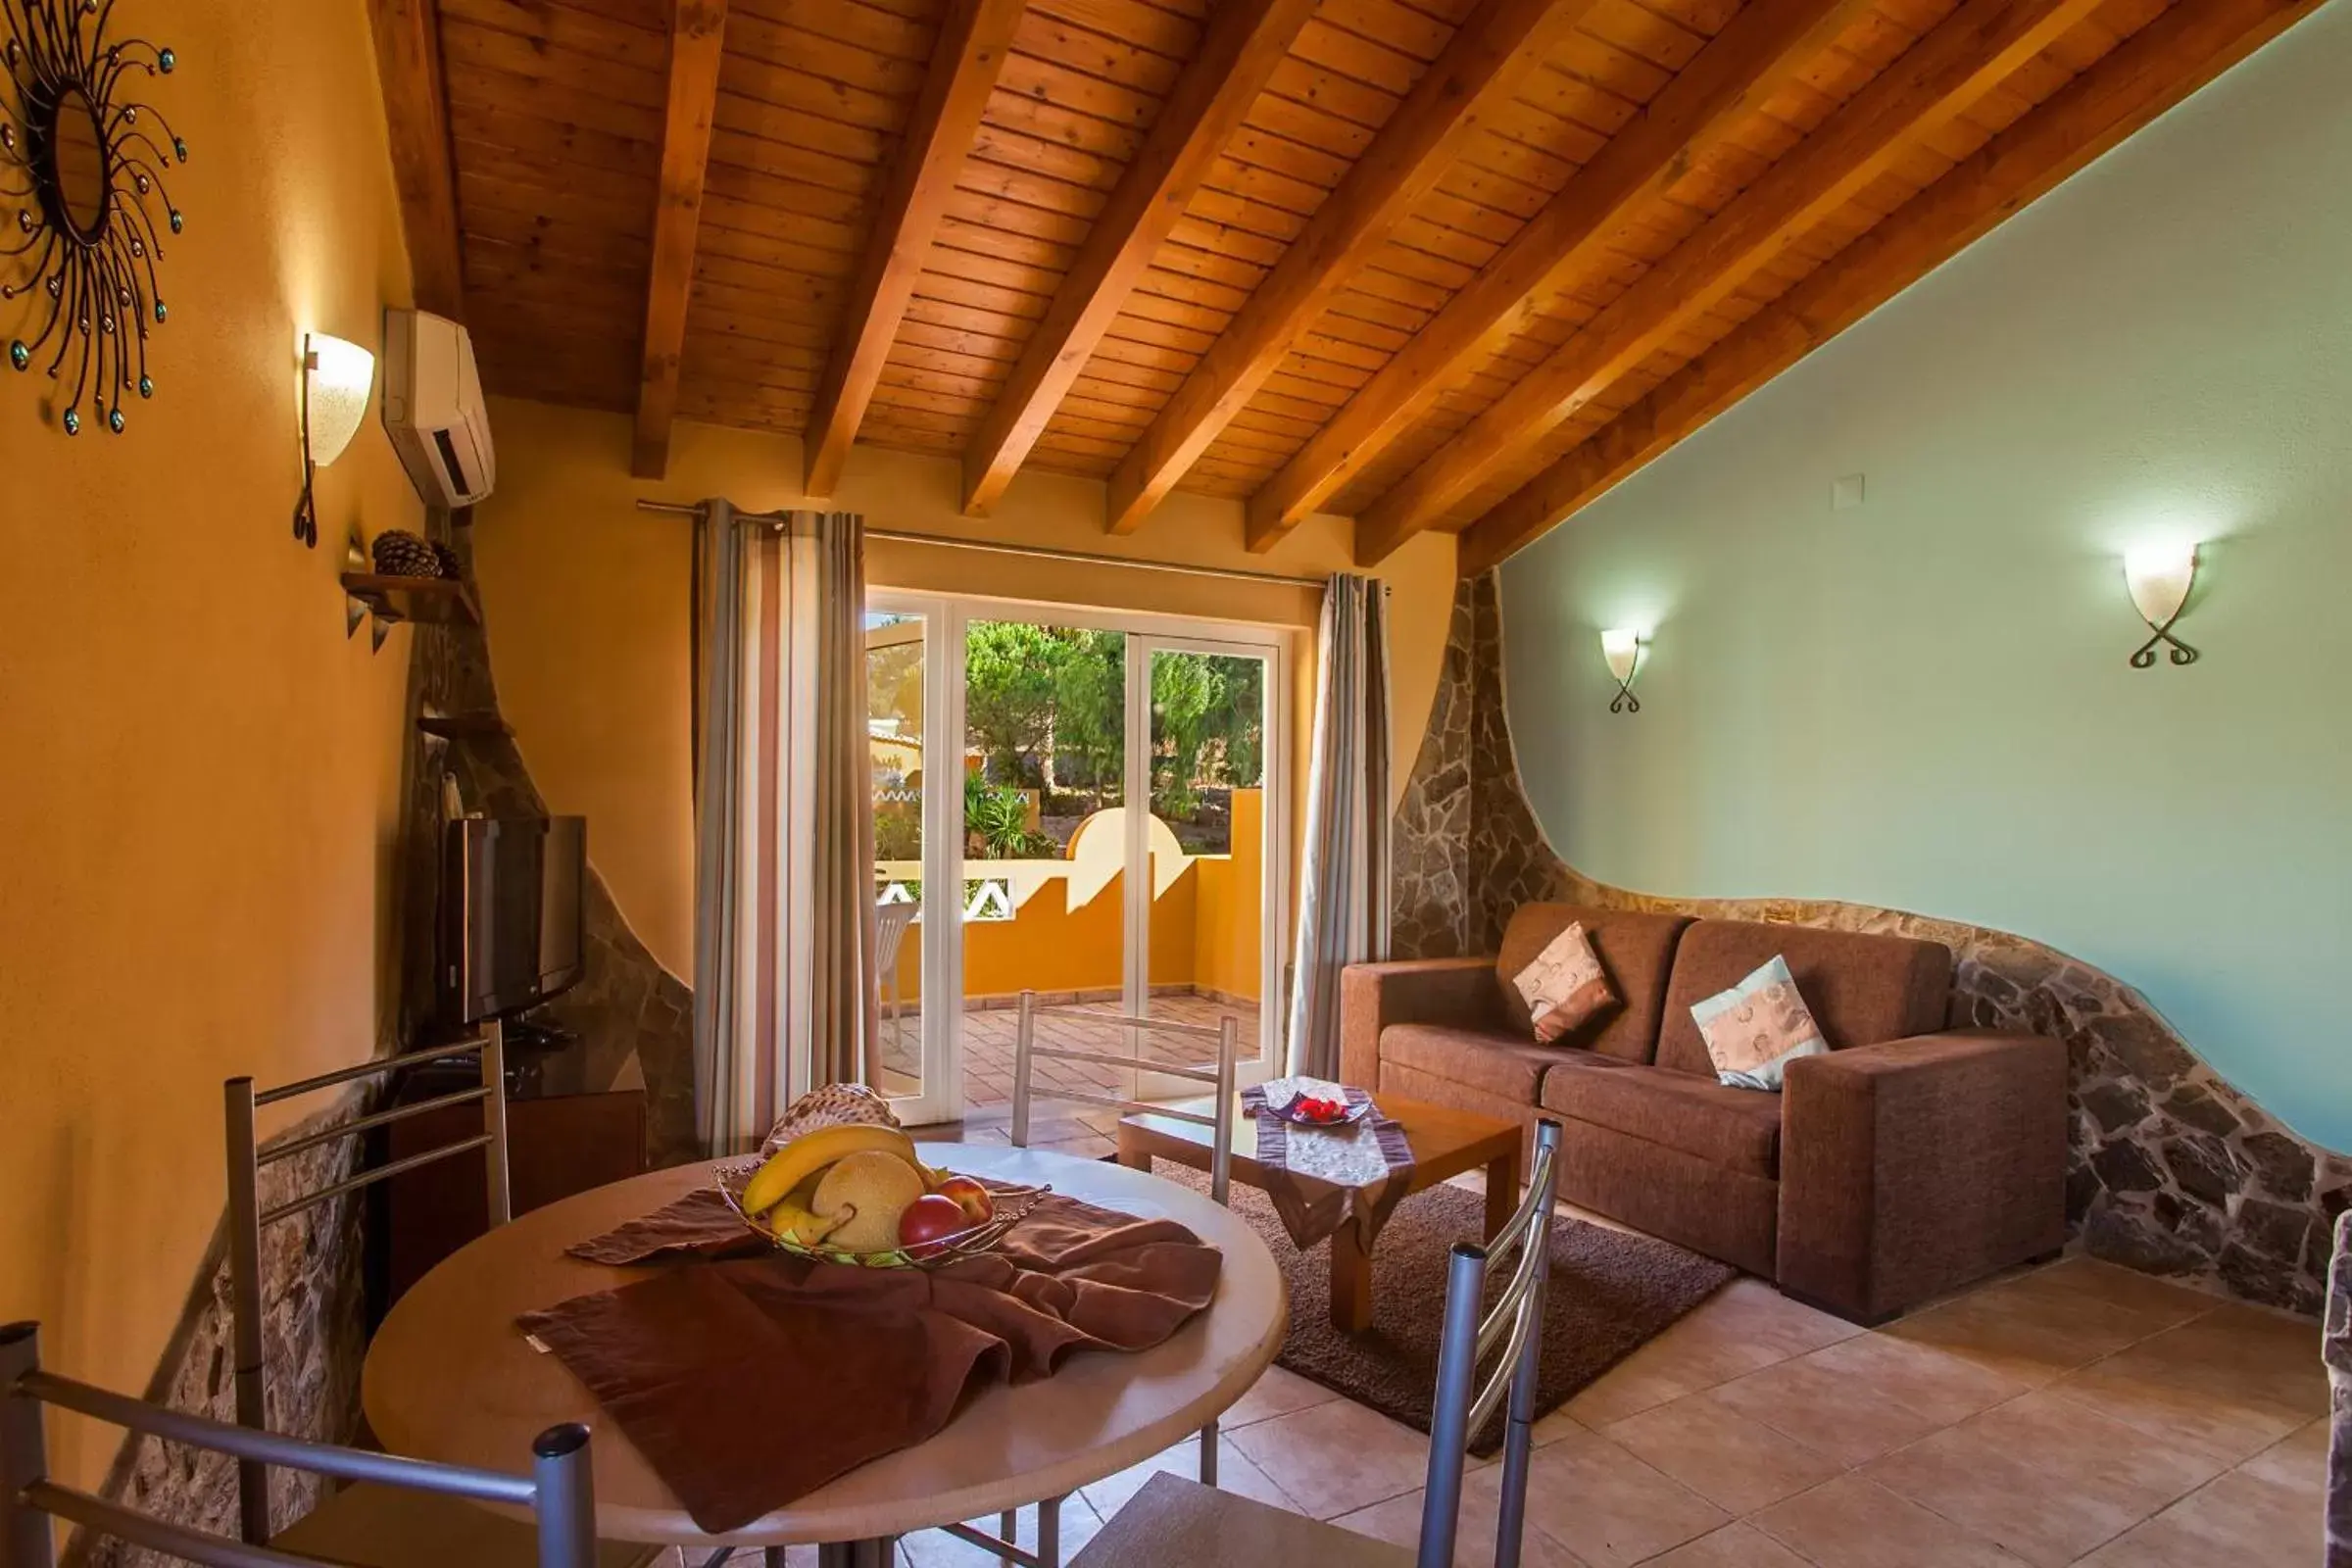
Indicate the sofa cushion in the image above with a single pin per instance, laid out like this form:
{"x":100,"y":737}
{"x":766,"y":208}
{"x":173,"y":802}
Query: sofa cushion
{"x":1735,"y":1128}
{"x":1757,"y":1027}
{"x":1636,"y":952}
{"x":1564,"y":987}
{"x":1478,"y":1059}
{"x":1862,"y":990}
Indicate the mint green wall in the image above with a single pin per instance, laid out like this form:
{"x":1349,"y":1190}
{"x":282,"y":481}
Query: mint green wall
{"x":1923,"y":703}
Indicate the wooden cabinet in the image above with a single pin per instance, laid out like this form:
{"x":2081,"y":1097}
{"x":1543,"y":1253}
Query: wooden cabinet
{"x":557,"y":1144}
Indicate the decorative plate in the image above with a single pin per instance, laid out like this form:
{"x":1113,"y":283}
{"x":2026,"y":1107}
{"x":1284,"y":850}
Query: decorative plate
{"x":1300,"y":1108}
{"x":1013,"y":1204}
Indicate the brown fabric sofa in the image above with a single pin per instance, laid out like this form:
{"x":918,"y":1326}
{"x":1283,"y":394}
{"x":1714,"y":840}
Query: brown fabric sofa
{"x":1908,"y":1160}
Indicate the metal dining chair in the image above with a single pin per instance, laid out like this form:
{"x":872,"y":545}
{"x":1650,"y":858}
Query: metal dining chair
{"x":559,"y":1491}
{"x":247,"y":1219}
{"x":1173,"y":1523}
{"x":1219,"y":1077}
{"x":362,"y":1523}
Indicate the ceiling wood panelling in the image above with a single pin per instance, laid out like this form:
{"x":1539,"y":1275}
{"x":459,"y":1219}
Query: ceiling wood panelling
{"x":1446,"y":264}
{"x":2141,"y":77}
{"x":697,"y":34}
{"x":408,"y":63}
{"x":950,"y":93}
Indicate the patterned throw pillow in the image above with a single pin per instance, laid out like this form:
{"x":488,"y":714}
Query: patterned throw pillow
{"x":1755,"y":1029}
{"x":1563,"y":986}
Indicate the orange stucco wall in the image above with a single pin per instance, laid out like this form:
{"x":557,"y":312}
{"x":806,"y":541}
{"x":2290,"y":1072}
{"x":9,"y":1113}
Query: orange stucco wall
{"x":202,"y":777}
{"x":586,"y":598}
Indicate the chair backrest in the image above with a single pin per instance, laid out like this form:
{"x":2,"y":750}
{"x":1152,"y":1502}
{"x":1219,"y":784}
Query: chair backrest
{"x":247,"y":1219}
{"x":891,"y":921}
{"x":1218,"y":1075}
{"x":1464,"y":1403}
{"x":560,"y":1489}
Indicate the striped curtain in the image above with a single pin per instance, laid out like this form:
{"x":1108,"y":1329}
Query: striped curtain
{"x":784,"y":998}
{"x":1344,"y":886}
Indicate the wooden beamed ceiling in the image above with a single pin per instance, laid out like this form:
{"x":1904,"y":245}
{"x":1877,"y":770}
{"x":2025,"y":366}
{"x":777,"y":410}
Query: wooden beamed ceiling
{"x":1460,"y":265}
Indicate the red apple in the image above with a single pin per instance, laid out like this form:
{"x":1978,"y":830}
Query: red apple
{"x":971,"y":1197}
{"x":928,"y":1219}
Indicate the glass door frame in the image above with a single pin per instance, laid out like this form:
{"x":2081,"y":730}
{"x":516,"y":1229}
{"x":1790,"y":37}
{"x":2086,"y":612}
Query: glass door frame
{"x":947,"y":620}
{"x":939,"y":943}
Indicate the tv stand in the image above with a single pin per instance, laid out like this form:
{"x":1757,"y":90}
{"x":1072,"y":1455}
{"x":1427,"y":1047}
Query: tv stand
{"x":530,"y":1046}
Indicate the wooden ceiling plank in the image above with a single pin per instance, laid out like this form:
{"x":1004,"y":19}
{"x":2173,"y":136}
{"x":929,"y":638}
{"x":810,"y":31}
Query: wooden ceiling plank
{"x":973,"y":40}
{"x":697,"y":30}
{"x":2148,"y":73}
{"x":1978,"y":45}
{"x":408,"y":63}
{"x":1757,"y":53}
{"x":1243,"y":44}
{"x":1490,"y":55}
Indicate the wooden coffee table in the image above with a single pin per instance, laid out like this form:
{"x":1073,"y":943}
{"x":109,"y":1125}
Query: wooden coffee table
{"x":1446,"y":1142}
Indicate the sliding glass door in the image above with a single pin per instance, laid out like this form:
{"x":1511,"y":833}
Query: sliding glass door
{"x":1108,"y":829}
{"x":1205,"y":846}
{"x":907,"y":692}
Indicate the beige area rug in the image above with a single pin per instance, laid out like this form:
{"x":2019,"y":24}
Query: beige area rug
{"x":1610,"y":1294}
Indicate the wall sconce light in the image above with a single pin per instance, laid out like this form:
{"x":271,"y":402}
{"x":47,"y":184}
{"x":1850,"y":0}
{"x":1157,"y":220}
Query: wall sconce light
{"x":2159,"y":577}
{"x":336,"y":378}
{"x":1622,"y":648}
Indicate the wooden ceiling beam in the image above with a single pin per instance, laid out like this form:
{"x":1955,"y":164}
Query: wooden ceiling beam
{"x":1739,"y":70}
{"x":408,"y":64}
{"x":973,"y":40}
{"x":1245,"y":41}
{"x":1954,"y":64}
{"x":2148,"y":73}
{"x":697,"y":30}
{"x":1486,"y":61}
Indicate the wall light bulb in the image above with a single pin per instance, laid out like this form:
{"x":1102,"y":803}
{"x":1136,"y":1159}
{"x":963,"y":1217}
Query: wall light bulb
{"x":341,"y":374}
{"x":1622,"y":648}
{"x":2159,"y":577}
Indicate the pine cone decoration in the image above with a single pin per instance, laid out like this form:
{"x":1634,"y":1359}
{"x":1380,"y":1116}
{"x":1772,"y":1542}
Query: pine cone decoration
{"x":401,"y":554}
{"x":451,"y":566}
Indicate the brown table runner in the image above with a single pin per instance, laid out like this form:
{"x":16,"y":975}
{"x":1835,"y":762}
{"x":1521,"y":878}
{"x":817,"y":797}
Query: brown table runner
{"x":1330,"y":1176}
{"x":752,"y":1381}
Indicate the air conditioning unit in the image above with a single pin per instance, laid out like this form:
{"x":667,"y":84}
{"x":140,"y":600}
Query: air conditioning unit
{"x":433,"y":409}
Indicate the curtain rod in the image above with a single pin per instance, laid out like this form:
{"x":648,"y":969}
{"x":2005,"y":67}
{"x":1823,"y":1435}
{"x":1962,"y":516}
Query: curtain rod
{"x":1085,"y":557}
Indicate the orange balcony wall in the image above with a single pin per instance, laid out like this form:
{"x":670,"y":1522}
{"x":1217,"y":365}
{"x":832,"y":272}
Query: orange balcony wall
{"x":1068,"y":929}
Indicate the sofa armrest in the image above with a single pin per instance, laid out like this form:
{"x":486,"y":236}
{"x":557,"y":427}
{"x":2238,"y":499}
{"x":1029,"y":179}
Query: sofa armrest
{"x":1914,"y":1166}
{"x":1374,"y":996}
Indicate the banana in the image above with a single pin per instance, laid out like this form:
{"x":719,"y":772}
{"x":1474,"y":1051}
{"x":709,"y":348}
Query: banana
{"x":790,"y":1219}
{"x":810,"y":1152}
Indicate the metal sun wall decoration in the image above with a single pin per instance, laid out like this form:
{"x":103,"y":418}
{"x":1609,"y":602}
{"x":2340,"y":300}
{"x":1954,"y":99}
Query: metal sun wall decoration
{"x":80,"y":170}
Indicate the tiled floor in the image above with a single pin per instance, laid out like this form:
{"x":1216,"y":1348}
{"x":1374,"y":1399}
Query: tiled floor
{"x":2080,"y":1413}
{"x":987,"y":1047}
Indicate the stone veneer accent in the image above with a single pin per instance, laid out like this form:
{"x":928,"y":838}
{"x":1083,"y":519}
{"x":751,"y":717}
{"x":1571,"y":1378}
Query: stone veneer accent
{"x":627,"y":1008}
{"x":312,"y":1340}
{"x":2171,"y":1170}
{"x":2335,"y":1347}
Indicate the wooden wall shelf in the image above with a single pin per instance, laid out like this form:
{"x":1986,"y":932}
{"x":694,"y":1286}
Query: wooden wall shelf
{"x":440,"y":600}
{"x":463,"y":726}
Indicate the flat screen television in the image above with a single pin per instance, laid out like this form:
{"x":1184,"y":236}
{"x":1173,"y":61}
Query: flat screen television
{"x":511,"y":922}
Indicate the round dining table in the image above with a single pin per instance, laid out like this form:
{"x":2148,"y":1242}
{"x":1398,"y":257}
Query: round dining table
{"x":450,"y":1377}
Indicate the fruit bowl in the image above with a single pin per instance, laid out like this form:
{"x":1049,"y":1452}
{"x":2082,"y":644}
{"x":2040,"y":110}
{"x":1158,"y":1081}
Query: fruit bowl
{"x":1013,"y":1206}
